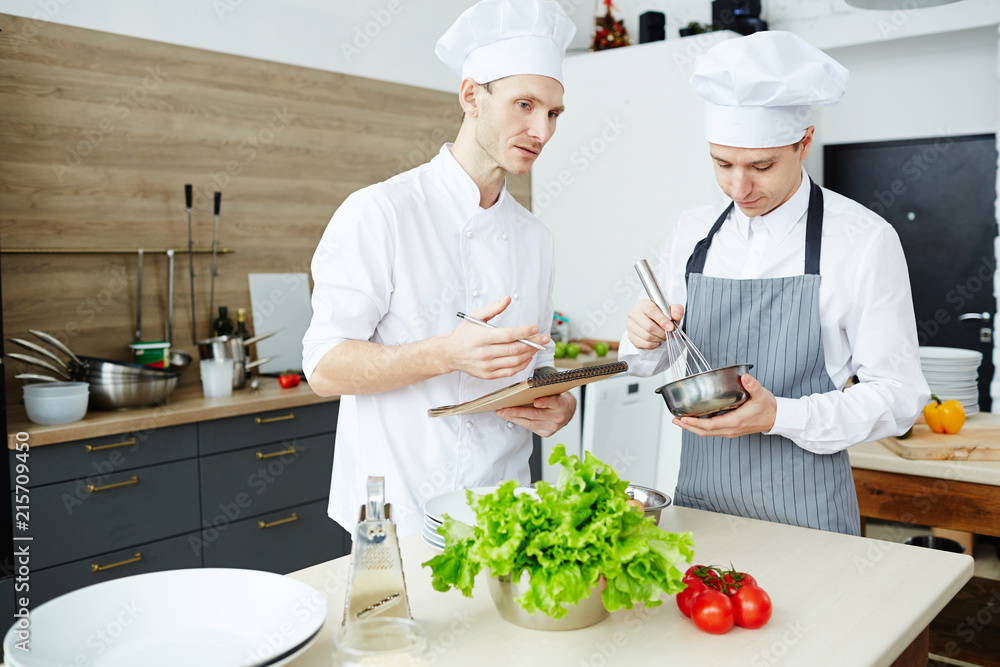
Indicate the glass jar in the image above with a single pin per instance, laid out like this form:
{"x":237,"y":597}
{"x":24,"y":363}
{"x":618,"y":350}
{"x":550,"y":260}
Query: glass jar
{"x":381,"y":642}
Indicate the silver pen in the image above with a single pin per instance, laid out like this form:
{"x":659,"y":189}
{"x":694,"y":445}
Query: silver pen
{"x":472,"y":319}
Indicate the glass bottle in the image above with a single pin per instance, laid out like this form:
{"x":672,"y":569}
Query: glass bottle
{"x":222,"y":324}
{"x":241,"y":324}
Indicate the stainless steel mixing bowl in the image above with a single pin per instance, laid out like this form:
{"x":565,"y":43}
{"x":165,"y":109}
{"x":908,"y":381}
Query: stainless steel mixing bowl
{"x":585,"y":613}
{"x":706,"y":394}
{"x":652,"y":500}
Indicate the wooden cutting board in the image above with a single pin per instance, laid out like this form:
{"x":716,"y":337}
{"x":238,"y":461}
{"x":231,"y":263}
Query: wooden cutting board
{"x":979,"y":440}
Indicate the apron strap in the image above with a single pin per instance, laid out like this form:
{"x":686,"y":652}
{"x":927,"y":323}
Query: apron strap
{"x":814,"y":229}
{"x":814,"y":235}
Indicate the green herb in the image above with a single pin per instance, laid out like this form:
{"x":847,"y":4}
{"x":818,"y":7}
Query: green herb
{"x":565,"y":539}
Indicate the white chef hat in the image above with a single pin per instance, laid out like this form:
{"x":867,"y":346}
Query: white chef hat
{"x":498,"y":38}
{"x":759,"y":89}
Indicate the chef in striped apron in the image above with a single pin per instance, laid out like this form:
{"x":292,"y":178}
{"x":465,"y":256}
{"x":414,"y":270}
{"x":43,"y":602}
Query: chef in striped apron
{"x":807,"y":285}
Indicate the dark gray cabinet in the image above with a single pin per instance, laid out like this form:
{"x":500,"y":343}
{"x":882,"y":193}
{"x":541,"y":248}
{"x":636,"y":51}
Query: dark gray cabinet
{"x":246,"y":492}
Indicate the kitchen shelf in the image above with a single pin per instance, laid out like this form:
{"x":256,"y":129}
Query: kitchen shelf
{"x":110,"y":251}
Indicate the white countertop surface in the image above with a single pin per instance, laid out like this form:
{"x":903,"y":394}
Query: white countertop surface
{"x":876,"y":456}
{"x":861,"y":600}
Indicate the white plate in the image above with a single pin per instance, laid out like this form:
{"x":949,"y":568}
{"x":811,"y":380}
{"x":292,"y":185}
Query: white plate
{"x":455,"y":505}
{"x":949,"y":354}
{"x":433,"y":538}
{"x":200,"y":617}
{"x":439,"y":547}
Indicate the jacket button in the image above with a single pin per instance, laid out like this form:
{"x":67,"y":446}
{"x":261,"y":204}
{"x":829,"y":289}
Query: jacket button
{"x":475,"y":292}
{"x":469,"y":234}
{"x":469,"y":424}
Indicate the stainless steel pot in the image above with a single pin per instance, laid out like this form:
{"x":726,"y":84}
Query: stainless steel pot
{"x":233,"y":347}
{"x":706,"y":394}
{"x":116,"y":385}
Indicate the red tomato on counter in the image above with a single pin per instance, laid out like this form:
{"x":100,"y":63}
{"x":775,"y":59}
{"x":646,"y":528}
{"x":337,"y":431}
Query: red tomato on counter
{"x":751,"y":607}
{"x":712,"y":612}
{"x":289,"y":380}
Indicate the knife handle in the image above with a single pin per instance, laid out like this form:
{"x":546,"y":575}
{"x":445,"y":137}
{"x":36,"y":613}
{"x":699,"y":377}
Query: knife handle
{"x":218,"y":202}
{"x":187,"y":194}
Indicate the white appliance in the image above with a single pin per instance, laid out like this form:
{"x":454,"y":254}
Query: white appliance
{"x":621,"y":426}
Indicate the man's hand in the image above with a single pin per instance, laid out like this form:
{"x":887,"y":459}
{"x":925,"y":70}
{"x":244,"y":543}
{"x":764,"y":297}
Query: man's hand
{"x":754,"y":416}
{"x":547,"y":415}
{"x":490,"y":353}
{"x":648,"y":326}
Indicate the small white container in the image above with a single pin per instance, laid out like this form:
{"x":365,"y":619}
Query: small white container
{"x":56,"y":402}
{"x":217,"y":377}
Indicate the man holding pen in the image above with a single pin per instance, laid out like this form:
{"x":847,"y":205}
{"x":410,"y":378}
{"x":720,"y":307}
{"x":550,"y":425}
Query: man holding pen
{"x":399,"y":258}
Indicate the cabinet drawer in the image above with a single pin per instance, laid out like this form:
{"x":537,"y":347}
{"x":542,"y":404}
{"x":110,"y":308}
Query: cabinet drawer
{"x":281,"y":546}
{"x":171,"y":554}
{"x":97,"y":457}
{"x":222,"y":435}
{"x":68,"y":521}
{"x":265,"y":478}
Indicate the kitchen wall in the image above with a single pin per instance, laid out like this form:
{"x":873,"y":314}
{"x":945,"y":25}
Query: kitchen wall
{"x":100,"y":132}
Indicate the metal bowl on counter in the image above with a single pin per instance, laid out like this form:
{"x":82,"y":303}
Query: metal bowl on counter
{"x":652,"y":500}
{"x":588,"y":611}
{"x":706,"y":394}
{"x":111,"y":394}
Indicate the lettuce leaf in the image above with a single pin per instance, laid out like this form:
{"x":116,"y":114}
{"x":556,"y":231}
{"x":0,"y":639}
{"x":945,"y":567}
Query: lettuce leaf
{"x":567,"y":539}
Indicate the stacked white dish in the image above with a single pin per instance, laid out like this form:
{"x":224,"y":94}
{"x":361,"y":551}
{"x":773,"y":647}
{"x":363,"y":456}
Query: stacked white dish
{"x":195,"y":617}
{"x":455,"y":505}
{"x":953,"y":373}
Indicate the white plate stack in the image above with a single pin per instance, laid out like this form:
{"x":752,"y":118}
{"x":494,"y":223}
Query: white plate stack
{"x":953,"y":373}
{"x":455,"y":505}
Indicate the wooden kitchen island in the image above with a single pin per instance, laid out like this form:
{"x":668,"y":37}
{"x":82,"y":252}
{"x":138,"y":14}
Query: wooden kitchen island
{"x":837,"y":600}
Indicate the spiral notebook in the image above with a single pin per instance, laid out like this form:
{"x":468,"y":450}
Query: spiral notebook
{"x":526,"y":391}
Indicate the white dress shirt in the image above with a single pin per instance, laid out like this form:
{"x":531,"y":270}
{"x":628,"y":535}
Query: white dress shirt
{"x":395,"y":264}
{"x":866,"y":312}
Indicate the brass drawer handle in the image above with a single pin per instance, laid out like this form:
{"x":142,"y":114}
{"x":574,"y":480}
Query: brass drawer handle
{"x":128,"y":482}
{"x":94,"y":567}
{"x":262,"y":455}
{"x":97,"y":448}
{"x":268,"y":420}
{"x":263,"y":524}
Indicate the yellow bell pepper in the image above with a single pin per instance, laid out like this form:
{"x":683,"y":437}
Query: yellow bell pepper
{"x":944,"y":416}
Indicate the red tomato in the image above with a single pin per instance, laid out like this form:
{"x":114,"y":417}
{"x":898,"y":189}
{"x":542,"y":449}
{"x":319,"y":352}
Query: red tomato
{"x":288,"y":380}
{"x":703,"y":572}
{"x":686,"y":597}
{"x":751,"y":607}
{"x":712,"y":612}
{"x":740,"y":578}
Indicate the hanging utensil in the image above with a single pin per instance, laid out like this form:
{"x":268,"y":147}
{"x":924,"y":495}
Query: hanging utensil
{"x":179,"y":359}
{"x":138,"y":299}
{"x":215,"y":263}
{"x":188,"y":197}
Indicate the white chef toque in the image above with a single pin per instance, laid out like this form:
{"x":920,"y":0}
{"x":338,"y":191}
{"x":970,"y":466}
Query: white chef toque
{"x":759,"y":89}
{"x":498,"y":38}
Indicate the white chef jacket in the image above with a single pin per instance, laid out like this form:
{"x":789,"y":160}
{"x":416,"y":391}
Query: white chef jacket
{"x":866,"y":312}
{"x":397,"y":261}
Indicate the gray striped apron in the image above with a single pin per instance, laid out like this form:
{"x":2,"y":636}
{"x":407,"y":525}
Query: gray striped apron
{"x":773,"y":324}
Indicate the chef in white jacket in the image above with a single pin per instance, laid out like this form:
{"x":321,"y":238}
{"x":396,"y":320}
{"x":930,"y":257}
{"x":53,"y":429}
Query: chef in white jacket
{"x":807,"y":285}
{"x":401,"y":257}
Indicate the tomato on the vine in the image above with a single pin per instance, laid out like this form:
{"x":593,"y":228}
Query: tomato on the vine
{"x":685,"y":598}
{"x":712,"y":612}
{"x":739,"y":578}
{"x":751,"y":607}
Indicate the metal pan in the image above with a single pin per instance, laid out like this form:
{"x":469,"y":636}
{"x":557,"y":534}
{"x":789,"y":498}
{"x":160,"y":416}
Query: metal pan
{"x":40,"y":363}
{"x":34,"y":347}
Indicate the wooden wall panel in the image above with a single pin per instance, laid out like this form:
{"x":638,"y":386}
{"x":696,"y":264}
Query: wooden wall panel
{"x":100,"y":132}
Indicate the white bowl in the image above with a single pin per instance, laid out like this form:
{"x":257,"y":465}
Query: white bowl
{"x":57,"y":388}
{"x":57,"y":406}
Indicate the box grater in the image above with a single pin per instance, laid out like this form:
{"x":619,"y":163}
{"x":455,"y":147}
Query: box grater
{"x":376,"y":586}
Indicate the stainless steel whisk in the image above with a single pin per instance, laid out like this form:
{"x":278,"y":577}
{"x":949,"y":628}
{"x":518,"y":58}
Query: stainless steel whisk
{"x":679,"y":346}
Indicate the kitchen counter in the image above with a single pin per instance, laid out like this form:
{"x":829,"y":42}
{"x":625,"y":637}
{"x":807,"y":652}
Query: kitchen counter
{"x":186,"y":405}
{"x":953,"y":494}
{"x":848,"y":599}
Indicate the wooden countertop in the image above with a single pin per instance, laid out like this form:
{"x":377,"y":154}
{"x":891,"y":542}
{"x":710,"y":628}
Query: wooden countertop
{"x":871,"y":601}
{"x":186,"y":405}
{"x":876,"y":456}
